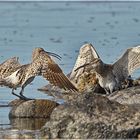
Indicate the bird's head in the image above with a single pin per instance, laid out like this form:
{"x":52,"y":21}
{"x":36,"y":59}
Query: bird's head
{"x":39,"y":51}
{"x":94,"y":64}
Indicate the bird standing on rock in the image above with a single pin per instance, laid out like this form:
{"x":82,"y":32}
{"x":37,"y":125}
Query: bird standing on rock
{"x":111,"y":76}
{"x":42,"y":64}
{"x":84,"y":78}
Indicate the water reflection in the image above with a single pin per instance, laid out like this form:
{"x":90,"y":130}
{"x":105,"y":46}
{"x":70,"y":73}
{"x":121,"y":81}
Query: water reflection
{"x":27,"y":123}
{"x":19,"y":134}
{"x":22,"y":128}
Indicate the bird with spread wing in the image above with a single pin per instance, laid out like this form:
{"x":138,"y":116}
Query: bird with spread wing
{"x":42,"y":65}
{"x":111,"y":76}
{"x":84,"y":78}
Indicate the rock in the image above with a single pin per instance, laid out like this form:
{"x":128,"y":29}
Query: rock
{"x":16,"y":102}
{"x":50,"y":88}
{"x":28,"y":123}
{"x":32,"y":109}
{"x":94,"y":116}
{"x":127,"y":96}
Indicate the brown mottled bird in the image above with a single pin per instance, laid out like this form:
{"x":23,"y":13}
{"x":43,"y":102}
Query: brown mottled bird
{"x":84,"y":78}
{"x":111,"y":76}
{"x":86,"y":54}
{"x":42,"y":64}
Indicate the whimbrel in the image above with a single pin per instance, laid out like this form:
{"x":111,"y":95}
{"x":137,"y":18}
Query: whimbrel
{"x":42,"y":64}
{"x":111,"y":76}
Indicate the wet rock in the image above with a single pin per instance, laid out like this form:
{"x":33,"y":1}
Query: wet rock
{"x":91,"y":115}
{"x":32,"y":109}
{"x":28,"y":123}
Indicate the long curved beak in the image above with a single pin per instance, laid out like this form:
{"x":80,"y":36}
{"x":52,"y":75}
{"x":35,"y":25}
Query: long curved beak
{"x":82,"y":66}
{"x":54,"y":55}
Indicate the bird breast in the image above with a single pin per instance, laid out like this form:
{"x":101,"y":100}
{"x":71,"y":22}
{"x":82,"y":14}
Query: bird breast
{"x":107,"y":81}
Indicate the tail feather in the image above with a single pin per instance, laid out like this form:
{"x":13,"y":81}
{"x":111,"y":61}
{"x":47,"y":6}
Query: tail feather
{"x":5,"y":83}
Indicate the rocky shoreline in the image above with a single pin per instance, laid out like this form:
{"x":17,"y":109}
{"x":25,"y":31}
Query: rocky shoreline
{"x":88,"y":115}
{"x":91,"y":115}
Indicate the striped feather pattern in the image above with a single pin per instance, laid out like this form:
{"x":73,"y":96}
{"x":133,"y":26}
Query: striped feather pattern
{"x":87,"y":53}
{"x":127,"y":64}
{"x":55,"y":76}
{"x":8,"y":67}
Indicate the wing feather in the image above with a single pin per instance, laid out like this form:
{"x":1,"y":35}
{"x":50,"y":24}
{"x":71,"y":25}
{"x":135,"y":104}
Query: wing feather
{"x":53,"y":73}
{"x":59,"y":81}
{"x":65,"y":82}
{"x":87,"y":53}
{"x":127,"y":64}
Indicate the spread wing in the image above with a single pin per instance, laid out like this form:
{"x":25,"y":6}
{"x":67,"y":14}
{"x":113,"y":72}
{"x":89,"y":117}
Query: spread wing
{"x":87,"y":53}
{"x":53,"y":73}
{"x":9,"y":66}
{"x":129,"y":62}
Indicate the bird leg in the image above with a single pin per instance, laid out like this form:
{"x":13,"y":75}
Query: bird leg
{"x":24,"y":97}
{"x":17,"y":95}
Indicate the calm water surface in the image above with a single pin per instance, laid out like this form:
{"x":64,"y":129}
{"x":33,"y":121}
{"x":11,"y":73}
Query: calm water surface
{"x":63,"y":27}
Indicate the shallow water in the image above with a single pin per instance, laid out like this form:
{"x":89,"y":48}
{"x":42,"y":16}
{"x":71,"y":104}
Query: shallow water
{"x":63,"y":27}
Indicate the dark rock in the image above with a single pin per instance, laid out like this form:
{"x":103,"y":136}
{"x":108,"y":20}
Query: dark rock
{"x":32,"y":109}
{"x":93,"y":116}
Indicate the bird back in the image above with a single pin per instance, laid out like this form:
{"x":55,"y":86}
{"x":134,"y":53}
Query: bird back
{"x":8,"y":67}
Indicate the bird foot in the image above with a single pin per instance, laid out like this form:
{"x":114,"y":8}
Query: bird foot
{"x":25,"y":98}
